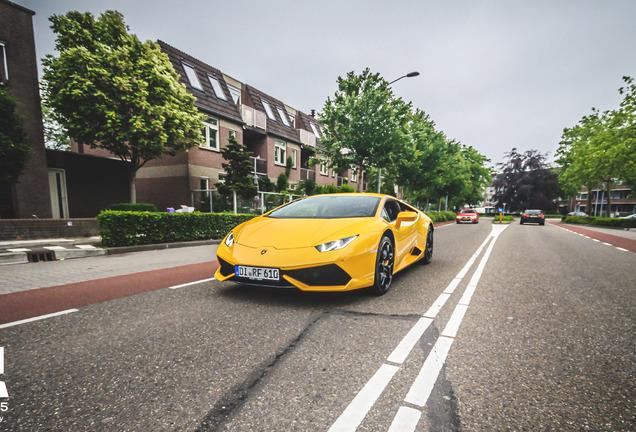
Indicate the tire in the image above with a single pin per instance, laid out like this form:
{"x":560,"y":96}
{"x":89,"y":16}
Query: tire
{"x":383,"y":267}
{"x":520,"y":222}
{"x":428,"y":251}
{"x":542,"y":223}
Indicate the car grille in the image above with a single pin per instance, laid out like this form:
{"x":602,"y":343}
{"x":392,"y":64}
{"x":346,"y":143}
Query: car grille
{"x":226,"y":268}
{"x":327,"y":275}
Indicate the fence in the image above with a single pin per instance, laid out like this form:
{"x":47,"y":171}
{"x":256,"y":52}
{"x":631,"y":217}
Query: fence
{"x":210,"y":201}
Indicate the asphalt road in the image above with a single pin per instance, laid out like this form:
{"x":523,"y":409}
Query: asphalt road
{"x":536,"y":332}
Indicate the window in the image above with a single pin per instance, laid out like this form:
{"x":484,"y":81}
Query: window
{"x":294,"y":155}
{"x":268,"y":110}
{"x":293,"y":120}
{"x":205,"y":183}
{"x":283,"y":116}
{"x":354,"y":175}
{"x":232,"y":134}
{"x":191,"y":74}
{"x":211,"y":134}
{"x":324,"y":170}
{"x":216,"y":86}
{"x":236,"y":94}
{"x":280,"y":152}
{"x":4,"y":68}
{"x":390,"y":210}
{"x":315,"y":129}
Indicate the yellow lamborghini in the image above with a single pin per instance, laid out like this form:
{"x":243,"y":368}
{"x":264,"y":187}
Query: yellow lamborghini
{"x":337,"y":242}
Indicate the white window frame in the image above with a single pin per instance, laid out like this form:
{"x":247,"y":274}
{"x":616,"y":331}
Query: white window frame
{"x":216,"y":87}
{"x":236,"y":94}
{"x":211,"y":128}
{"x":193,"y":78}
{"x":354,"y":175}
{"x":324,"y":170}
{"x":232,"y":133}
{"x":315,"y":129}
{"x":283,"y":116}
{"x":293,"y":120}
{"x":268,"y":110}
{"x":294,"y":154}
{"x":280,"y":152}
{"x":3,"y":48}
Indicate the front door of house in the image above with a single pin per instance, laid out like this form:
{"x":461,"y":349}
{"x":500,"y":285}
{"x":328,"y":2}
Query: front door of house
{"x":57,"y":186}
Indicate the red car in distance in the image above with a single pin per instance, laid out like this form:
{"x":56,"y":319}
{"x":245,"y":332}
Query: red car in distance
{"x":468,"y":215}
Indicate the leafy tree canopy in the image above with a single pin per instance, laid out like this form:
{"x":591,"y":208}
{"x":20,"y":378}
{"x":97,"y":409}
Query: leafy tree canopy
{"x":526,"y":181}
{"x":14,"y":146}
{"x":110,"y":90}
{"x":364,"y":125}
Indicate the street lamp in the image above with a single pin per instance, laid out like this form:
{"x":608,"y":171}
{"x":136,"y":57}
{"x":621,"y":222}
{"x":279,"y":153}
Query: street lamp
{"x":408,"y":75}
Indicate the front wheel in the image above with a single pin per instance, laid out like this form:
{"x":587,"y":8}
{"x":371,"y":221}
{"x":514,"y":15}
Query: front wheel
{"x":428,"y":251}
{"x":383,"y":267}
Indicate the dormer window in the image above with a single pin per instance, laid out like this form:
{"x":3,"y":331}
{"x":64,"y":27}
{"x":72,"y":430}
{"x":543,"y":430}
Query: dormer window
{"x":236,"y":94}
{"x":216,"y":86}
{"x":283,"y":116}
{"x":315,"y":129}
{"x":193,"y":79}
{"x":268,"y":110}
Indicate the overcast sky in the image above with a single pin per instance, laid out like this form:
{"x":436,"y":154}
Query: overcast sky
{"x":493,"y":74}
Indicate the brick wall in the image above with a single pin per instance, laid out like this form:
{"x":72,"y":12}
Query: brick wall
{"x":30,"y":229}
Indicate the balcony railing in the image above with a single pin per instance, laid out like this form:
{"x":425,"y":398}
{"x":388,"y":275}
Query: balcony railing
{"x":307,"y":138}
{"x":307,"y":174}
{"x":259,"y":166}
{"x":254,"y":117}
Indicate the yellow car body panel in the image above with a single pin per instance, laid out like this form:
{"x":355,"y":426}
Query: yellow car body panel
{"x":289,"y":245}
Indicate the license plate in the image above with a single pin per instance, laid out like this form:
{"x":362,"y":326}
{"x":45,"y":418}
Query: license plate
{"x":533,"y":216}
{"x":466,"y":219}
{"x":256,"y":273}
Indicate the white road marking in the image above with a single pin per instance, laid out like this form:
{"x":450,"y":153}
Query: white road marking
{"x":54,"y":248}
{"x":38,"y":318}
{"x":192,"y":283}
{"x":455,"y":320}
{"x":423,"y":385}
{"x":353,"y":415}
{"x":362,"y":403}
{"x":405,"y":420}
{"x":606,"y":244}
{"x":403,"y":349}
{"x":19,"y":250}
{"x":620,"y":248}
{"x":86,"y":247}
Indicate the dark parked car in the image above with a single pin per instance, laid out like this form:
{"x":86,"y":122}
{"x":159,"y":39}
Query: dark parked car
{"x":533,"y":216}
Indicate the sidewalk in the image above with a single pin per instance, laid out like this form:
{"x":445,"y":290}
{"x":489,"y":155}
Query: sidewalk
{"x":34,"y":251}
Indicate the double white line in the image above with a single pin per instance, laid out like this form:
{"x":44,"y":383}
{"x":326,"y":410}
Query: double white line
{"x":407,"y":418}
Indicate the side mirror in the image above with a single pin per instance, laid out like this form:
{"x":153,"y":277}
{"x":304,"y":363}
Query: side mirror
{"x":405,"y":216}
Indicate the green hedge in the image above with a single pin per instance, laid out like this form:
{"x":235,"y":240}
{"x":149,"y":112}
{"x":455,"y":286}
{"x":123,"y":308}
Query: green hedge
{"x":133,"y":207}
{"x":120,"y":228}
{"x":600,"y":221}
{"x":442,"y":216}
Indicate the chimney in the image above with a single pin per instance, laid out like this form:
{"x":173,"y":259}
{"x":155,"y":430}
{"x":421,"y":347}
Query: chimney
{"x":313,"y":113}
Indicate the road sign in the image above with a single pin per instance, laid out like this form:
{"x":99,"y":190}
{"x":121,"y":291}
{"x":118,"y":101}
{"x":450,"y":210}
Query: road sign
{"x":500,"y":210}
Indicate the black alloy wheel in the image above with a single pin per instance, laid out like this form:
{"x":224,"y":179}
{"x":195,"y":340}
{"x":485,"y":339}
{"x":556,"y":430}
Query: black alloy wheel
{"x":384,"y":266}
{"x":428,"y":252}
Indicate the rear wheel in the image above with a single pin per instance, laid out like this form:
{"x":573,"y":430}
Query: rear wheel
{"x":428,"y":252}
{"x":383,"y":267}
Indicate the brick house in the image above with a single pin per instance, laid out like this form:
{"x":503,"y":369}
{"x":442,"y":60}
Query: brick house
{"x":18,"y":73}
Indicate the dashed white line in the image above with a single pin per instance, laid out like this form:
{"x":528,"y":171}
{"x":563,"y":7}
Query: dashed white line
{"x":362,"y":403}
{"x":38,"y":318}
{"x":192,"y":283}
{"x":425,"y":381}
{"x":406,"y":420}
{"x":403,"y":349}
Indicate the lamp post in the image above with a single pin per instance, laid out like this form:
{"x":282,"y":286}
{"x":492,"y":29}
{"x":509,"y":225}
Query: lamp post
{"x":408,"y":75}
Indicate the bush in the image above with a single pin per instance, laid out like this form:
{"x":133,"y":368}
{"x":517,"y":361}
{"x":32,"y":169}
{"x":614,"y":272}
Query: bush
{"x":346,"y":188}
{"x":441,"y":216}
{"x":601,"y":221}
{"x":136,"y":207}
{"x":121,"y":228}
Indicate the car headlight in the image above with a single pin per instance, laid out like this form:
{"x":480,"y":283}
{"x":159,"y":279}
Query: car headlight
{"x":229,"y":240}
{"x":335,"y":245}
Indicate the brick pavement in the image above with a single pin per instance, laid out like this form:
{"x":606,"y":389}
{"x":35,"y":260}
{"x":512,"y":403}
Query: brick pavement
{"x":28,"y":276}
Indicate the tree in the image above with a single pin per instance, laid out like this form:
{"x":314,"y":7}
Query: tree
{"x":526,"y":181}
{"x":364,"y":125}
{"x":238,"y":170}
{"x":15,"y":150}
{"x":601,"y":148}
{"x":55,"y":136}
{"x":110,"y":90}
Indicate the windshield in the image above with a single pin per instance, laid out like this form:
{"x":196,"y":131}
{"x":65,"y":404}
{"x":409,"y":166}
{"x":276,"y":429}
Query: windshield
{"x":467,"y":211}
{"x":328,"y":207}
{"x":532,"y":212}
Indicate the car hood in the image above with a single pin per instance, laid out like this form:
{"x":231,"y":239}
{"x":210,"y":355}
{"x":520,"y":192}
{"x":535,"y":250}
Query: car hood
{"x":297,"y":233}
